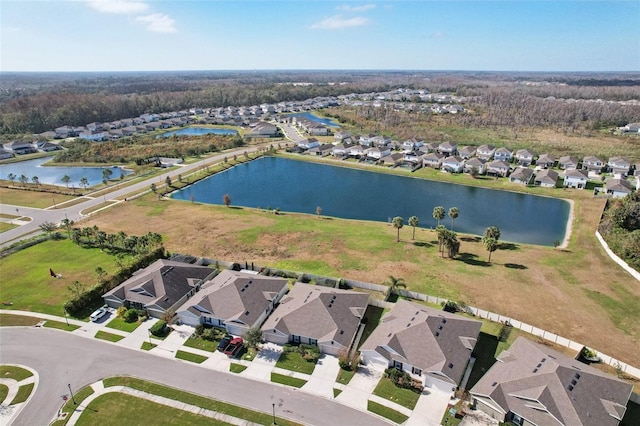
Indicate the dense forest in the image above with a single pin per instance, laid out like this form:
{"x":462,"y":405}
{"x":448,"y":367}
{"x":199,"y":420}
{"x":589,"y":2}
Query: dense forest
{"x":620,"y":227}
{"x":34,"y":103}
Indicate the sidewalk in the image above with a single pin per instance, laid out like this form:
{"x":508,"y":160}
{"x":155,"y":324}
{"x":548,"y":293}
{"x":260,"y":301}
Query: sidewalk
{"x":9,"y":412}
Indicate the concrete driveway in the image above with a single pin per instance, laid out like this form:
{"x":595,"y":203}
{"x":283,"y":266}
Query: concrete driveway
{"x":430,"y":408}
{"x":323,"y":378}
{"x":263,"y":364}
{"x":359,"y":389}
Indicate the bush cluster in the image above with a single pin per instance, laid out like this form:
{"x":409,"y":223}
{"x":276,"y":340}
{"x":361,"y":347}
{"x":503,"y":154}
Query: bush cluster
{"x":348,"y":363}
{"x":159,"y":328}
{"x":505,"y":331}
{"x":209,"y":333}
{"x":309,"y":353}
{"x":402,"y":379}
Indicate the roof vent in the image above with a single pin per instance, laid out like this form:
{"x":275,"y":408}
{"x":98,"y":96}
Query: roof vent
{"x":450,"y":365}
{"x":246,"y":313}
{"x":341,"y":331}
{"x":577,"y":376}
{"x":440,"y":327}
{"x":570,"y":387}
{"x":494,"y":383}
{"x":437,"y":333}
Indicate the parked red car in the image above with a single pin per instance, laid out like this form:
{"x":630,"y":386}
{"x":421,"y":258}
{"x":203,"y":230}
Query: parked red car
{"x":234,"y":347}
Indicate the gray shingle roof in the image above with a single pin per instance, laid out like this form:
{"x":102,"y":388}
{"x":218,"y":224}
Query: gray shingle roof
{"x":547,"y":387}
{"x":432,"y":340}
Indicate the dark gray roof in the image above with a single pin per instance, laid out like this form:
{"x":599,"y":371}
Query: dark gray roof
{"x":432,"y":340}
{"x":162,"y":283}
{"x":547,"y":387}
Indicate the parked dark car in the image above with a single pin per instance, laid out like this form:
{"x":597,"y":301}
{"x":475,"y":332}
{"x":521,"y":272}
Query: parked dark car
{"x":224,"y":343}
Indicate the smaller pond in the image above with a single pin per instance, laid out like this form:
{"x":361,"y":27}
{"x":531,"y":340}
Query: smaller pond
{"x":197,"y":131}
{"x":52,"y":175}
{"x":326,"y":121}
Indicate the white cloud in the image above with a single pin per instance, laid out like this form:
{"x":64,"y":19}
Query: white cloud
{"x":356,"y":8}
{"x":118,"y":6}
{"x":438,"y":34}
{"x":338,"y":22}
{"x":158,"y":23}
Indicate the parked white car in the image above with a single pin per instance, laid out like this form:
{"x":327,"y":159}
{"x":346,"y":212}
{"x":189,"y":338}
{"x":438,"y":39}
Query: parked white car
{"x":98,"y":313}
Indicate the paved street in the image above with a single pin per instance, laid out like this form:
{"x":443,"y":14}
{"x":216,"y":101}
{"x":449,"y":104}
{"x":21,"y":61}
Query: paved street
{"x":62,"y":358}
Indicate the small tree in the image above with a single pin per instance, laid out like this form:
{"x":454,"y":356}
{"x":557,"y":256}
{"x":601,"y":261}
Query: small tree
{"x":101,"y":273}
{"x":253,"y":337}
{"x":66,"y":179}
{"x":490,"y":244}
{"x":11,"y":177}
{"x":48,"y":227}
{"x":226,"y":199}
{"x":76,"y":289}
{"x":398,"y":223}
{"x":394,"y":283}
{"x":453,"y":214}
{"x":153,"y":188}
{"x":438,"y":213}
{"x":167,"y":181}
{"x":24,"y":180}
{"x":84,"y":182}
{"x":318,"y":210}
{"x":36,"y":180}
{"x":106,"y":175}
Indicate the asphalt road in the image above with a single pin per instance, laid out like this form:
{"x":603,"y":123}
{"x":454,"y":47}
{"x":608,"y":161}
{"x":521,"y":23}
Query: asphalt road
{"x":40,"y":216}
{"x":61,"y":358}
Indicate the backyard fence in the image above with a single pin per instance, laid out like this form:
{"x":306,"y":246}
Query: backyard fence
{"x":624,"y":265}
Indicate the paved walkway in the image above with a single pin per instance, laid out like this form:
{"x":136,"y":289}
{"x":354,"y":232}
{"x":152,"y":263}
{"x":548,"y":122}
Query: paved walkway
{"x":356,"y":394}
{"x":9,"y":412}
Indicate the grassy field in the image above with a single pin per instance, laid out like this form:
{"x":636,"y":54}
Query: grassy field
{"x":110,"y":337}
{"x":115,"y":408}
{"x":577,"y":292}
{"x":405,"y":397}
{"x":344,"y":376}
{"x":121,"y":324}
{"x":200,"y":343}
{"x":4,"y":226}
{"x":60,"y":325}
{"x":384,"y":411}
{"x":287,"y":380}
{"x":16,"y":373}
{"x":188,"y":356}
{"x":23,"y":393}
{"x":4,"y":391}
{"x":237,"y":368}
{"x":293,"y":361}
{"x":35,"y":199}
{"x":9,"y":320}
{"x":26,"y":281}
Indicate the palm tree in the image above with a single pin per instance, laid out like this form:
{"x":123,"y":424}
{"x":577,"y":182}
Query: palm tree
{"x":84,"y":182}
{"x":11,"y":177}
{"x":414,"y":221}
{"x":394,"y":283}
{"x":36,"y":180}
{"x":24,"y":180}
{"x":492,"y":232}
{"x":490,"y":244}
{"x":438,"y":213}
{"x":451,"y":243}
{"x":67,"y":224}
{"x":441,"y":230}
{"x":106,"y":175}
{"x":398,"y":223}
{"x":66,"y":179}
{"x":453,"y":214}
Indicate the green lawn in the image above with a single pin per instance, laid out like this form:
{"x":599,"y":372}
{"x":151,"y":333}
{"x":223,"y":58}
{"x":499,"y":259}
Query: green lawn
{"x":146,"y":346}
{"x":47,"y":294}
{"x":286,"y":380}
{"x":188,"y":356}
{"x":344,"y":376}
{"x":4,"y":226}
{"x":237,"y":368}
{"x":23,"y":394}
{"x":197,"y":400}
{"x":405,"y":397}
{"x":122,"y":325}
{"x":485,"y":352}
{"x":293,"y":361}
{"x":16,"y":373}
{"x":69,"y":407}
{"x":384,"y":411}
{"x":4,"y":391}
{"x":103,"y":335}
{"x":117,"y":409}
{"x":9,"y":320}
{"x":336,"y":392}
{"x":200,"y":343}
{"x":371,"y":319}
{"x":61,"y":325}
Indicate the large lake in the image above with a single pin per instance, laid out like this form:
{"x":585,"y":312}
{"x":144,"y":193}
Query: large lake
{"x":53,"y":174}
{"x":326,"y":121}
{"x":197,"y":131}
{"x":299,"y":186}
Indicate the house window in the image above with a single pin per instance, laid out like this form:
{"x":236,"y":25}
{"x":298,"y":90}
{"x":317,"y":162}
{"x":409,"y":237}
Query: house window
{"x":296,"y":339}
{"x":416,"y":371}
{"x":397,"y":365}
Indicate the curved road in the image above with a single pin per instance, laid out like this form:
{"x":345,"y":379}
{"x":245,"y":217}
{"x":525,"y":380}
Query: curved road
{"x":61,"y":358}
{"x":39,"y":216}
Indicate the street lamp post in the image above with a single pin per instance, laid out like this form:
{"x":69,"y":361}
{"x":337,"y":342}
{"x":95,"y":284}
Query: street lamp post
{"x":149,"y":331}
{"x":72,"y":397}
{"x":273,"y":404}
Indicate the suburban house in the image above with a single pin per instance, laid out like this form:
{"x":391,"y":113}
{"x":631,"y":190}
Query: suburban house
{"x":159,"y":288}
{"x":524,"y":157}
{"x":308,"y":143}
{"x":393,"y":160}
{"x":522,"y":175}
{"x":448,"y":148}
{"x":568,"y":162}
{"x":574,"y":178}
{"x":546,"y":178}
{"x":452,"y":164}
{"x":531,"y":384}
{"x":431,"y":345}
{"x":414,"y":157}
{"x":412,"y":145}
{"x":503,"y":154}
{"x":592,"y":164}
{"x":619,"y":166}
{"x":467,"y":152}
{"x":342,"y":136}
{"x":380,"y":141}
{"x":631,"y":128}
{"x":546,"y":161}
{"x":322,"y":150}
{"x":430,"y":147}
{"x":477,"y":164}
{"x":355,"y":151}
{"x":618,"y":188}
{"x":376,"y":152}
{"x":237,"y":301}
{"x":44,"y":146}
{"x":4,"y":154}
{"x":485,"y":152}
{"x":19,"y":147}
{"x":433,"y":159}
{"x":341,"y":149}
{"x":498,"y":168}
{"x":315,"y":315}
{"x":263,"y":130}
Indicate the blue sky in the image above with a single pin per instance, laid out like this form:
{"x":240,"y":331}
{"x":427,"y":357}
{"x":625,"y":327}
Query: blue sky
{"x":141,"y":35}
